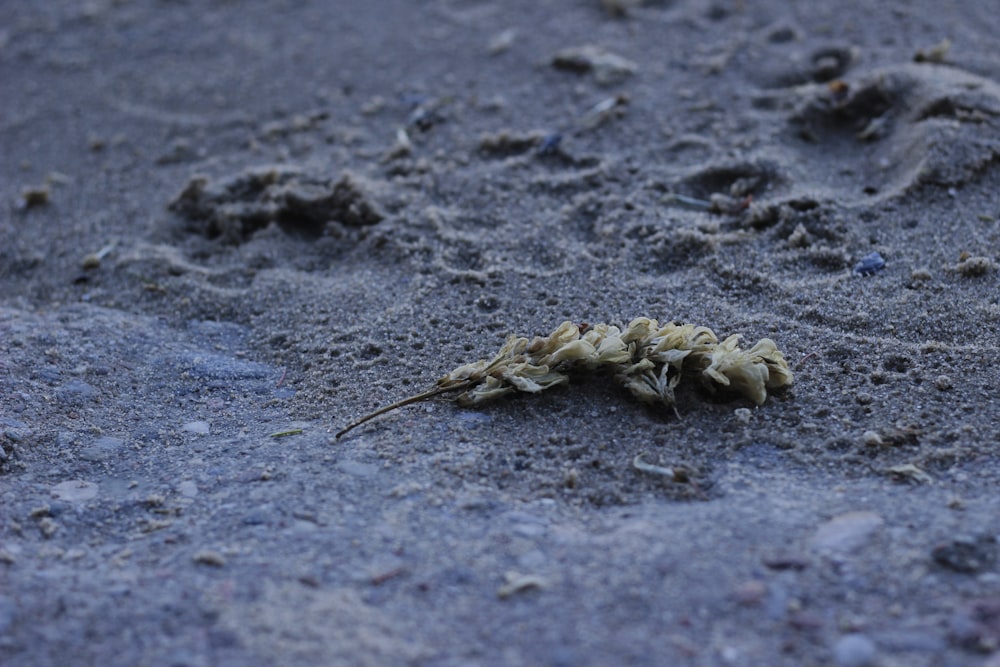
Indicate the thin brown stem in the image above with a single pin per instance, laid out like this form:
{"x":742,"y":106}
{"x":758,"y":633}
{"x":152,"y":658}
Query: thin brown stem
{"x":430,"y":393}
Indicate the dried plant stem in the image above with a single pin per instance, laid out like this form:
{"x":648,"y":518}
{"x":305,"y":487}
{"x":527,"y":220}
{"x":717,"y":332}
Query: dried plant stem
{"x":642,"y":466}
{"x":423,"y":396}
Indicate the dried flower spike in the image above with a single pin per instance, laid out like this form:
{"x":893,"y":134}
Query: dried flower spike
{"x":647,"y":358}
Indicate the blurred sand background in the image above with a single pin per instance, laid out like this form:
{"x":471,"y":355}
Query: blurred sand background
{"x":228,"y":229}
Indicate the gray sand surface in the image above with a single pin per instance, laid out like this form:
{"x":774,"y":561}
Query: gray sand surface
{"x":229,"y":229}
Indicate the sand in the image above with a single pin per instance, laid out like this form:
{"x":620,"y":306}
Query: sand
{"x":228,"y":231}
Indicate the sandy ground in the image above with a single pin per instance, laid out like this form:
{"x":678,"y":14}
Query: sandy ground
{"x":229,"y":229}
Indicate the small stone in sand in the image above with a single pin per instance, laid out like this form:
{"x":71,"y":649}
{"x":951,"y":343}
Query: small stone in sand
{"x":197,"y":427}
{"x":871,"y":439}
{"x":35,"y":196}
{"x":608,"y":68}
{"x":973,"y":267}
{"x":870,"y":264}
{"x":516,"y":583}
{"x":209,"y":557}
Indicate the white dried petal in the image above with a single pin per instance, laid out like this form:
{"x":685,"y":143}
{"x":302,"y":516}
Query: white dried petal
{"x":491,"y":389}
{"x":577,"y":350}
{"x":640,"y":387}
{"x":531,"y":378}
{"x":779,"y":375}
{"x":739,"y":370}
{"x":640,"y":329}
{"x":565,"y":333}
{"x":613,"y":351}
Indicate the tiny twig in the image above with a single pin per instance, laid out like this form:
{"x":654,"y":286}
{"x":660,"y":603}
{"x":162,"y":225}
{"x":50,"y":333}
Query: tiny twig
{"x":642,"y":466}
{"x":693,"y":202}
{"x":285,"y":434}
{"x":430,"y":393}
{"x":806,"y":358}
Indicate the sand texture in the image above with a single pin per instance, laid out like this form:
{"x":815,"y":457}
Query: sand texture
{"x":227,"y":230}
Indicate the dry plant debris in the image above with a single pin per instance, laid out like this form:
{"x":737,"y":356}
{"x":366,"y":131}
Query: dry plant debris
{"x":647,"y":358}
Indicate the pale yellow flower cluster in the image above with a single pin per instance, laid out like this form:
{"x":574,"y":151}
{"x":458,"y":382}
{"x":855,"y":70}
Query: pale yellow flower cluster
{"x":647,"y":358}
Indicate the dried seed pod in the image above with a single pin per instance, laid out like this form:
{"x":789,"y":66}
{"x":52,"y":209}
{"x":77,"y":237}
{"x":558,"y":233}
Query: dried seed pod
{"x":648,"y":359}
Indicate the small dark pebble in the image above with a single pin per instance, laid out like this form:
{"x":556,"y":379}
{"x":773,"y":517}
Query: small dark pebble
{"x":255,"y":518}
{"x":870,"y":264}
{"x":786,"y":562}
{"x":970,"y":555}
{"x":35,"y":196}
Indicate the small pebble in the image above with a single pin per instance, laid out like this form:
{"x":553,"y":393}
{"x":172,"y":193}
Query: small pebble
{"x":870,"y":264}
{"x":36,"y":196}
{"x":517,"y":583}
{"x":608,"y":68}
{"x":973,"y":267}
{"x":786,"y":562}
{"x":943,"y":382}
{"x":854,"y":650}
{"x":872,"y":439}
{"x":750,"y":593}
{"x":209,"y":557}
{"x":198,"y":428}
